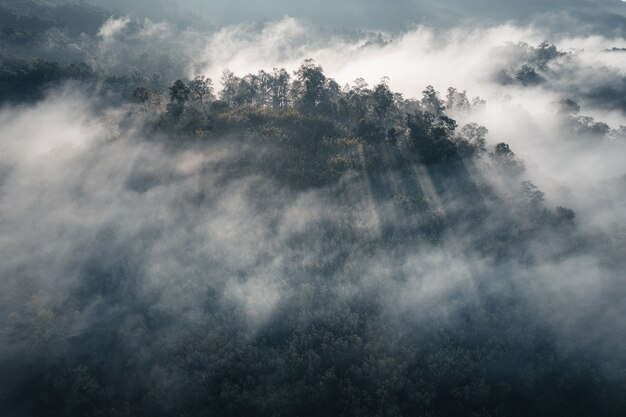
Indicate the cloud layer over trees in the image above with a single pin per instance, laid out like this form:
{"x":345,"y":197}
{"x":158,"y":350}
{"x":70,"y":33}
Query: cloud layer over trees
{"x":283,"y":218}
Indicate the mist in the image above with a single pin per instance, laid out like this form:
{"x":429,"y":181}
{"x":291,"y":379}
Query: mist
{"x":606,"y":15}
{"x":294,"y":209}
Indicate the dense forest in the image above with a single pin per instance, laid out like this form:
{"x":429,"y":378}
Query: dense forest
{"x":278,"y":244}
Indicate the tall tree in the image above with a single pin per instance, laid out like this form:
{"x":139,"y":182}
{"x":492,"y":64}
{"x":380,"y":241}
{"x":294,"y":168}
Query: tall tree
{"x":201,"y":91}
{"x":179,"y":96}
{"x":279,"y":88}
{"x":312,"y":82}
{"x":431,"y":101}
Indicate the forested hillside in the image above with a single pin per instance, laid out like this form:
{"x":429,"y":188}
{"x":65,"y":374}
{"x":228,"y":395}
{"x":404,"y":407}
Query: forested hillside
{"x":280,"y":244}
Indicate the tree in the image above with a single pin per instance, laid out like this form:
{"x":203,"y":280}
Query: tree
{"x":505,"y":158}
{"x":430,"y":137}
{"x":564,"y":215}
{"x":444,"y":128}
{"x":527,"y":75}
{"x":546,"y":52}
{"x":179,"y":96}
{"x":420,"y":123}
{"x":311,"y":85}
{"x":201,"y":91}
{"x":247,"y":91}
{"x":263,"y":88}
{"x":474,"y":136}
{"x":151,"y":100}
{"x":456,"y":100}
{"x":230,"y":87}
{"x":141,"y":93}
{"x":586,"y":125}
{"x":279,"y":88}
{"x":382,"y":101}
{"x":532,"y":194}
{"x":431,"y":101}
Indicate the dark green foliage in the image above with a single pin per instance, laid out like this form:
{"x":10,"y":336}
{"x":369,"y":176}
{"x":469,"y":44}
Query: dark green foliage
{"x":312,"y":94}
{"x":29,"y":81}
{"x":179,"y":96}
{"x":531,"y":62}
{"x":471,"y":140}
{"x":35,"y":17}
{"x":431,"y":101}
{"x":565,"y":215}
{"x":25,"y":81}
{"x":350,"y":335}
{"x":201,"y":91}
{"x":431,"y":138}
{"x":505,"y":158}
{"x":527,"y":75}
{"x":308,"y":112}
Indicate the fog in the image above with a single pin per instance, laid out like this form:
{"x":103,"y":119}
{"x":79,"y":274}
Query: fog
{"x":165,"y":261}
{"x":468,"y":58}
{"x":605,"y":15}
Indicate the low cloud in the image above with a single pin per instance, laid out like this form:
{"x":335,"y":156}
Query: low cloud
{"x":177,"y":263}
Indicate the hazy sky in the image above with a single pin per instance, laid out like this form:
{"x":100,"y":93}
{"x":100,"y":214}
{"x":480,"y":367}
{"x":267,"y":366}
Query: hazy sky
{"x":372,"y":14}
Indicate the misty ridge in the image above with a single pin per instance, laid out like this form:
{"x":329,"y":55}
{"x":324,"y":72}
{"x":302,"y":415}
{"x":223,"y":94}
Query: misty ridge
{"x":240,"y":211}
